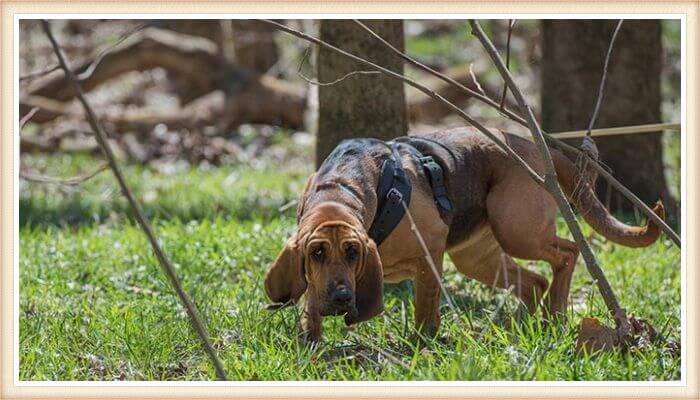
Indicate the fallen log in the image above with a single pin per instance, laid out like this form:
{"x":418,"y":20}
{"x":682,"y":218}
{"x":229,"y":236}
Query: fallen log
{"x":194,"y":57}
{"x":267,"y":101}
{"x":47,"y":109}
{"x":197,"y":69}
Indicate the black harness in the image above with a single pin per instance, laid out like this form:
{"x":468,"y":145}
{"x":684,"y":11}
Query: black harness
{"x":395,"y":187}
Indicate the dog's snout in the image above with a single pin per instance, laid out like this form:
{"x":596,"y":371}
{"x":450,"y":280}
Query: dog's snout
{"x":341,"y":295}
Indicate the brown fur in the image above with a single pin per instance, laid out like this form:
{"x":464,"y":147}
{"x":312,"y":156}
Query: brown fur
{"x":499,"y":213}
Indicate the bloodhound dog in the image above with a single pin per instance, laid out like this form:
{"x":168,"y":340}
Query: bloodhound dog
{"x":498,"y":212}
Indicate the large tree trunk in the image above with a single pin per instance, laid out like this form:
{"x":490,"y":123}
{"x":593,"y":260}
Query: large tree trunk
{"x":573,"y":57}
{"x":361,"y":105}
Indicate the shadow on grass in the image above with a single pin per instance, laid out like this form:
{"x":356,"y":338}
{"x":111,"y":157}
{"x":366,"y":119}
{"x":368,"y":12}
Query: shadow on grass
{"x":474,"y":300}
{"x":76,"y":212}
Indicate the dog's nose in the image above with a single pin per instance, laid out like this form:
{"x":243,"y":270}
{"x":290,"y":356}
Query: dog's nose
{"x":341,"y":296}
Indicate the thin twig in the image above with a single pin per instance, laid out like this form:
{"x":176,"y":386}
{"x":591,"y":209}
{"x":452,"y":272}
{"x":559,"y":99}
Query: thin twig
{"x":27,"y":117}
{"x":511,"y":25}
{"x":287,"y":206}
{"x":37,"y":74}
{"x":620,"y":130}
{"x":103,"y":53}
{"x":551,"y":182}
{"x":418,"y":86}
{"x":72,"y":181}
{"x":560,"y":144}
{"x":342,"y":78}
{"x":601,"y":88}
{"x":93,"y":64}
{"x":588,"y":145}
{"x":274,"y":308}
{"x":429,"y":258}
{"x":163,"y":259}
{"x":333,"y":82}
{"x":504,"y":299}
{"x":412,"y":61}
{"x":476,"y":82}
{"x":381,"y":351}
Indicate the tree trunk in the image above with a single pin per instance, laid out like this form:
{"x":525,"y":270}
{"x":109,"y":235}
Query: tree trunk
{"x":362,"y":105}
{"x":573,"y":57}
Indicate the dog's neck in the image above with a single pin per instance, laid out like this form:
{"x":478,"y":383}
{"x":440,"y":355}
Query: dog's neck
{"x":345,"y":203}
{"x":349,"y":178}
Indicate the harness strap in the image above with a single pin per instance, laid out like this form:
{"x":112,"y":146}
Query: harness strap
{"x":437,"y":182}
{"x":432,"y":170}
{"x":394,"y":187}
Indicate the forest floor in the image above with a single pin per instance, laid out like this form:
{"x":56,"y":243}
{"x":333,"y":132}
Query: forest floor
{"x":94,"y":304}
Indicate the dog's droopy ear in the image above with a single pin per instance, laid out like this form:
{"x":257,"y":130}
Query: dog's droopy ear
{"x":285,"y":281}
{"x":369,"y":287}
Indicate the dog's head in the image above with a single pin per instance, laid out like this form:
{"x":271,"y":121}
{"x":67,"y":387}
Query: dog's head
{"x":333,"y":261}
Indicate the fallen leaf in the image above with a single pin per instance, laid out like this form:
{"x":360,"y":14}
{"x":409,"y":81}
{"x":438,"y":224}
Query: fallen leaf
{"x":631,"y":333}
{"x":594,"y":336}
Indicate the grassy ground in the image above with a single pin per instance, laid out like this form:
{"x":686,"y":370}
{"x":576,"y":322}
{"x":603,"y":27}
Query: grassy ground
{"x":94,"y":304}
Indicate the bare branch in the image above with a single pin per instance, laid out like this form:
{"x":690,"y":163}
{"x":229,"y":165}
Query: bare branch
{"x":420,"y":87}
{"x":163,"y":259}
{"x":476,"y":82}
{"x":381,"y":351}
{"x":551,"y":182}
{"x":511,"y":25}
{"x":620,"y":130}
{"x":560,"y":144}
{"x":72,"y":181}
{"x":601,"y":88}
{"x":342,"y":78}
{"x":93,"y":65}
{"x":27,"y":117}
{"x":287,"y":206}
{"x":333,"y":82}
{"x":139,"y":51}
{"x":429,"y":258}
{"x":87,"y":73}
{"x":38,"y":74}
{"x":421,"y":66}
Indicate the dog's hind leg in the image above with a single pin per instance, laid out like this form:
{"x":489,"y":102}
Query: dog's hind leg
{"x":526,"y":228}
{"x":561,"y":255}
{"x":482,"y":258}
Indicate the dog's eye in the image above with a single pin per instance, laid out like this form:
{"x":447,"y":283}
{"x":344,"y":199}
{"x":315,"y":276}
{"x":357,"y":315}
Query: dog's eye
{"x":318,"y":254}
{"x":351,"y":253}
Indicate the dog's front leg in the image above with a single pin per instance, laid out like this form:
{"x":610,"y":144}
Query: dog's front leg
{"x":311,"y":317}
{"x":428,"y":297}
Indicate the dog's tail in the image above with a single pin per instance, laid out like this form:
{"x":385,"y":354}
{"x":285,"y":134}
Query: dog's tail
{"x":580,"y":192}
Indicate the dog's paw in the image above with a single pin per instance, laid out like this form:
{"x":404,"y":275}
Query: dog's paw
{"x":307,"y":338}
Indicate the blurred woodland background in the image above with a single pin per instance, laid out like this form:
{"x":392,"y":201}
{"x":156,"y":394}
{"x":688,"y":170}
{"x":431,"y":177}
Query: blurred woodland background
{"x":180,"y":94}
{"x":217,"y":124}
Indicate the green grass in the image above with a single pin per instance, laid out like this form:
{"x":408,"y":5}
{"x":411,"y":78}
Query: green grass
{"x":94,"y":304}
{"x":240,"y":192}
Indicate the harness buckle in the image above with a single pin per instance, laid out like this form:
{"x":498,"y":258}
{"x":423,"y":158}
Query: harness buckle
{"x":394,"y":195}
{"x":426,"y":159}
